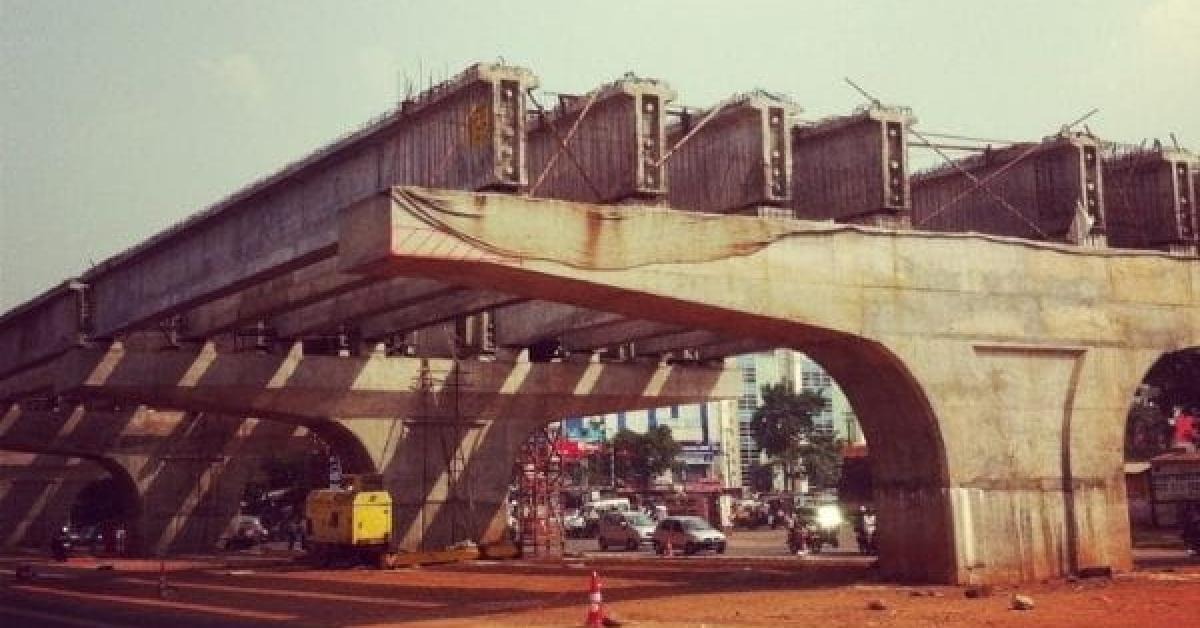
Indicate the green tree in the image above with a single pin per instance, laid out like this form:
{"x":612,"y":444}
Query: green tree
{"x":761,"y":477}
{"x":822,"y":456}
{"x":641,"y":457}
{"x":783,"y":425}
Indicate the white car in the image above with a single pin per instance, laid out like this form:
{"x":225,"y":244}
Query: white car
{"x":689,"y":535}
{"x":629,"y":530}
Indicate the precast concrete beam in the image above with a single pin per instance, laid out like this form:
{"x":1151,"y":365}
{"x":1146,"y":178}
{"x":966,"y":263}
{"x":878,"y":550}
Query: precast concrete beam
{"x":675,"y":342}
{"x":527,"y":324}
{"x":462,"y":302}
{"x":304,"y":389}
{"x":613,"y":334}
{"x":355,"y":305}
{"x":289,"y":290}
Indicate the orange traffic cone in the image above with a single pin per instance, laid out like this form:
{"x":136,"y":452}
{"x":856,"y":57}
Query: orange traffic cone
{"x":595,"y":614}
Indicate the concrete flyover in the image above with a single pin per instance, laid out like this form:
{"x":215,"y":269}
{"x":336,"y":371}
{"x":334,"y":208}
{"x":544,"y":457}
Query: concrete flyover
{"x":992,"y":376}
{"x":447,"y":461}
{"x":178,"y":476}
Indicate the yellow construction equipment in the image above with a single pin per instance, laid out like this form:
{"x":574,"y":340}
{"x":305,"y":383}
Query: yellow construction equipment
{"x":351,"y":522}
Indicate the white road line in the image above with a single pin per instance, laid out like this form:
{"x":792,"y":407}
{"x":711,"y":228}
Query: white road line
{"x":61,"y":619}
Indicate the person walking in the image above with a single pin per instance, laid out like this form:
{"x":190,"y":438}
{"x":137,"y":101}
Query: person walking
{"x":295,"y":533}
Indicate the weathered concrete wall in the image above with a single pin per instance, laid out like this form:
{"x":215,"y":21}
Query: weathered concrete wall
{"x":986,"y":355}
{"x":184,"y":474}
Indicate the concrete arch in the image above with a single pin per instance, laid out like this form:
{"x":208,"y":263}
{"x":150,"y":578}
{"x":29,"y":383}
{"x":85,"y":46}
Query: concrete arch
{"x":39,"y":515}
{"x":352,"y":447}
{"x":1013,"y":344}
{"x":908,"y":460}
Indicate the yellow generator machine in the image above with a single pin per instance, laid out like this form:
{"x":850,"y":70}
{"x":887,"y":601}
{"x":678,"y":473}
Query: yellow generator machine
{"x":351,"y":522}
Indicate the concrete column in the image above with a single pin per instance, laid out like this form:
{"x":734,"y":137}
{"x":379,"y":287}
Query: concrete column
{"x":37,"y":492}
{"x":448,"y":480}
{"x":191,"y":486}
{"x":1033,"y":447}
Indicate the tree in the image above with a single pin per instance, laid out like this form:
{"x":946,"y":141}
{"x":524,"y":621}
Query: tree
{"x":641,"y":457}
{"x":783,"y":425}
{"x":761,"y":477}
{"x":822,"y":456}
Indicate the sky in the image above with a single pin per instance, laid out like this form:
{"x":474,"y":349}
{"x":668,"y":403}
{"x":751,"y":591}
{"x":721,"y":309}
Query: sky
{"x":119,"y":118}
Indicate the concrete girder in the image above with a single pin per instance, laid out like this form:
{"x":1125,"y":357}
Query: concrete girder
{"x":935,"y":338}
{"x":354,"y":305}
{"x":526,"y":324}
{"x":706,"y":345}
{"x":613,"y":334}
{"x":279,"y":293}
{"x":446,"y":307}
{"x":307,"y":389}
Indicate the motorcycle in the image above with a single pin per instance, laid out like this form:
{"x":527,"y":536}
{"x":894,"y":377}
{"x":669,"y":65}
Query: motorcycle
{"x":808,"y":536}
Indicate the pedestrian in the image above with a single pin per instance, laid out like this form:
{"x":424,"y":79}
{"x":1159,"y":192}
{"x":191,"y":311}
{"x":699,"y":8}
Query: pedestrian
{"x":295,"y":533}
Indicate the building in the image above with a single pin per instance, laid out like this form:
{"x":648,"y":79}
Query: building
{"x":772,"y":367}
{"x":700,"y":429}
{"x":717,"y":440}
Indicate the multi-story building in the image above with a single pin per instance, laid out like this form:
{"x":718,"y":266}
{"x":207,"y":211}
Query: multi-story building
{"x":718,"y":442}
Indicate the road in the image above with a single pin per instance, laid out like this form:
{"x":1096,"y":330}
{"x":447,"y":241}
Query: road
{"x":756,"y":583}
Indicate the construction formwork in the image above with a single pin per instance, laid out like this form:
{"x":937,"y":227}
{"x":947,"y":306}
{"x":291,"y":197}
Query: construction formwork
{"x":1029,"y":190}
{"x":853,"y":168}
{"x":733,"y":158}
{"x":614,"y":139}
{"x":468,"y":132}
{"x":1150,"y":198}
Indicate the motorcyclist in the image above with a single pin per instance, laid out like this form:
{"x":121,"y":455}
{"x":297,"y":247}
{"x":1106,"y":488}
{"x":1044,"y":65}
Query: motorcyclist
{"x":864,"y":530}
{"x":798,"y":533}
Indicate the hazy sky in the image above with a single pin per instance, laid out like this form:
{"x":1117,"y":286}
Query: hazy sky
{"x":120,"y":118}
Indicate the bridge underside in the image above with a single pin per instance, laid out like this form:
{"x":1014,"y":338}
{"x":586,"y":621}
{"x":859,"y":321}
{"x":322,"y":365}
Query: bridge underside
{"x":971,"y":361}
{"x":968,"y":359}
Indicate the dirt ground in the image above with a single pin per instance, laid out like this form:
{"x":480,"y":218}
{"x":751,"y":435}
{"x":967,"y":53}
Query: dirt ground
{"x":787,"y":595}
{"x":645,"y":592}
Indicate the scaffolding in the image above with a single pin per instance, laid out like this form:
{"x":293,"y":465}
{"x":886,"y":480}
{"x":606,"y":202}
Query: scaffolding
{"x":538,"y":473}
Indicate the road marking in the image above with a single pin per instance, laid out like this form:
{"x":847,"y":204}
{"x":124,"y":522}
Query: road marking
{"x":307,"y":595}
{"x":140,"y":601}
{"x":60,"y":619}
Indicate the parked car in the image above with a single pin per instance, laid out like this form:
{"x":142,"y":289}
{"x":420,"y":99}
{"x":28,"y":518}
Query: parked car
{"x":248,"y":531}
{"x":574,"y":524}
{"x":629,"y":530}
{"x":592,"y":511}
{"x":690,"y":534}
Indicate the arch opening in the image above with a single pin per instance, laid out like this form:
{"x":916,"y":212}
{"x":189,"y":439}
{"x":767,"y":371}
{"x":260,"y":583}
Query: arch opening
{"x":1161,"y":438}
{"x":900,"y":444}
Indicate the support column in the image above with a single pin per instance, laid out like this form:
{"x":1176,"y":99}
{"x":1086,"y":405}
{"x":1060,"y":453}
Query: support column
{"x":191,"y":486}
{"x":37,"y":492}
{"x":1033,"y":437}
{"x":449,"y":480}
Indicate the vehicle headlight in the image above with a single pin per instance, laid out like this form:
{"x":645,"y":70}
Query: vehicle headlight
{"x":829,"y":517}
